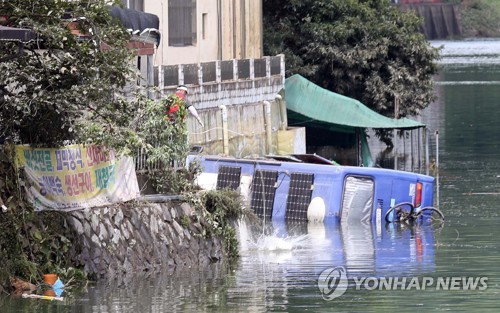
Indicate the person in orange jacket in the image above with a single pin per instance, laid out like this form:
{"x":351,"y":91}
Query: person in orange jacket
{"x":177,"y":106}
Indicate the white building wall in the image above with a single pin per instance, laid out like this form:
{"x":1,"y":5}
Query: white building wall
{"x":232,"y":28}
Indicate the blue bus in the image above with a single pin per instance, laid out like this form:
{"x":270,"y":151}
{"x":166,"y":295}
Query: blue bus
{"x":310,"y":188}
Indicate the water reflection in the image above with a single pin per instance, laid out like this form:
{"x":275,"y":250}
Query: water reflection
{"x":361,"y":248}
{"x":275,"y":268}
{"x":179,"y":291}
{"x":275,"y":272}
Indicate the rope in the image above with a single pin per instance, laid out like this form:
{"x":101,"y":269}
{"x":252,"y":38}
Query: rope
{"x":206,"y":131}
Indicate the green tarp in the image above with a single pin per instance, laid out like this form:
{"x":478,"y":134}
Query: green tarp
{"x":308,"y":103}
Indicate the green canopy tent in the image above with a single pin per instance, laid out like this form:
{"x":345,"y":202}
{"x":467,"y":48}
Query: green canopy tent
{"x":310,"y":105}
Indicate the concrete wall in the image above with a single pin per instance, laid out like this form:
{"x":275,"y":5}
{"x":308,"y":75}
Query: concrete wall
{"x":440,"y":21}
{"x":130,"y":238}
{"x":242,"y":87}
{"x":246,"y":130}
{"x":232,"y":82}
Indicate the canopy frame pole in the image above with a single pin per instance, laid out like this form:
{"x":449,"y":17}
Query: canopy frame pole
{"x":419,"y":148}
{"x":437,"y":168}
{"x":395,"y":149}
{"x":426,"y":141}
{"x":359,"y":157}
{"x":396,"y":116}
{"x":412,"y":151}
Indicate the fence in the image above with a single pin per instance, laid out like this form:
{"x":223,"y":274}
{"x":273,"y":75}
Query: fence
{"x":233,"y":82}
{"x":236,"y":101}
{"x":414,"y":151}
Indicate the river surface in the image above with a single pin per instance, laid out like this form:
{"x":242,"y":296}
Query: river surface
{"x":279,"y":273}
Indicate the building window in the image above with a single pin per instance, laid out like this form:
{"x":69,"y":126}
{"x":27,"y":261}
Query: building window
{"x":181,"y":22}
{"x":137,"y":5}
{"x":204,"y":26}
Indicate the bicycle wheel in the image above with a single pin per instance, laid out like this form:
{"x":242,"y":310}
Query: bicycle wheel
{"x":399,"y":212}
{"x":430,"y":211}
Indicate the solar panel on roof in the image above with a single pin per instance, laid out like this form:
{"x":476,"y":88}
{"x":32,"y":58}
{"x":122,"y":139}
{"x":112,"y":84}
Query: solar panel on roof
{"x":263,"y":192}
{"x":228,"y":177}
{"x":299,"y":196}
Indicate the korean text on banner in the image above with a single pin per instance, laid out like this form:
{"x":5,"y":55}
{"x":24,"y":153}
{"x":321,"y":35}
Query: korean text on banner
{"x":76,"y":177}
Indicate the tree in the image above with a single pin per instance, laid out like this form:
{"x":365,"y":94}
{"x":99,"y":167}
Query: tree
{"x":364,"y":49}
{"x":66,"y":88}
{"x":480,"y":18}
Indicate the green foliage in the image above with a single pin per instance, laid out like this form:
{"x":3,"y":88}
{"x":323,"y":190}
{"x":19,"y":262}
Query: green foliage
{"x":185,"y":221}
{"x":223,"y":203}
{"x":480,"y":18}
{"x":12,"y":256}
{"x":64,"y":88}
{"x":220,"y":208}
{"x":363,"y":49}
{"x":61,"y":89}
{"x":50,"y":242}
{"x":165,"y":142}
{"x":31,"y":244}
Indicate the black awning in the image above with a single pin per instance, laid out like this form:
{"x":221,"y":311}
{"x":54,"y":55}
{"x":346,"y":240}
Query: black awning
{"x":16,"y":34}
{"x":140,"y":24}
{"x":21,"y":35}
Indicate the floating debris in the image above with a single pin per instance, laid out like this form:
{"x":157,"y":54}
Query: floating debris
{"x":43,"y":297}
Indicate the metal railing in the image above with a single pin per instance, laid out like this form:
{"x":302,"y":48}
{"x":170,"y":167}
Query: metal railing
{"x":230,"y":82}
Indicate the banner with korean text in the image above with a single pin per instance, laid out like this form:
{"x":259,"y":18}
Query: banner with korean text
{"x":76,"y":177}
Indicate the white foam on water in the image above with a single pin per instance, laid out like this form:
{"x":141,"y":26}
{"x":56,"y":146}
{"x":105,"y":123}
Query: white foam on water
{"x":274,"y":243}
{"x":262,"y":242}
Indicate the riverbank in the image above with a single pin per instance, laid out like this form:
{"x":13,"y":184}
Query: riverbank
{"x":139,"y":237}
{"x":131,"y":238}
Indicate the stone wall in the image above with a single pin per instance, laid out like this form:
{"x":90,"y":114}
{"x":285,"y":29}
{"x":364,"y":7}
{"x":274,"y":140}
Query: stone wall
{"x":142,"y":237}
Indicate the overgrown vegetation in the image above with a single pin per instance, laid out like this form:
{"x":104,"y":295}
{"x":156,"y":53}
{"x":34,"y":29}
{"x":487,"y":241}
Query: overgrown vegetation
{"x":165,"y":142}
{"x":220,"y":208}
{"x":31,"y":244}
{"x":364,"y":49}
{"x":67,"y":90}
{"x":61,"y":90}
{"x":480,"y":18}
